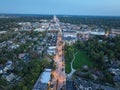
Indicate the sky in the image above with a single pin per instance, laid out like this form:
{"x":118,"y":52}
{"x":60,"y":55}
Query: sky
{"x":63,"y":7}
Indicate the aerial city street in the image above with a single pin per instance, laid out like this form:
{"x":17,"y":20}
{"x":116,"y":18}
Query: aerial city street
{"x":60,"y":45}
{"x":59,"y":74}
{"x":49,"y":54}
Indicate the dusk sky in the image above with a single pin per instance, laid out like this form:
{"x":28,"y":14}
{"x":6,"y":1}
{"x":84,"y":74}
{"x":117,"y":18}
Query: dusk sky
{"x":66,"y":7}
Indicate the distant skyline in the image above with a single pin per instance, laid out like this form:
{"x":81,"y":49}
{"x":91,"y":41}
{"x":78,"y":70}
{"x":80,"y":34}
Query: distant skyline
{"x":61,"y":7}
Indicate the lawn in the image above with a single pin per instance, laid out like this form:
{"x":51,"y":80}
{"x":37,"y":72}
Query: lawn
{"x":82,"y":59}
{"x":67,"y":67}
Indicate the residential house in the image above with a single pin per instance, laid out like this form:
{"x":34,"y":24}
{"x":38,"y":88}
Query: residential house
{"x":8,"y":66}
{"x":24,"y":57}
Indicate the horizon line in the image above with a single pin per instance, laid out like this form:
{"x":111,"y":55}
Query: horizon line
{"x":59,"y":14}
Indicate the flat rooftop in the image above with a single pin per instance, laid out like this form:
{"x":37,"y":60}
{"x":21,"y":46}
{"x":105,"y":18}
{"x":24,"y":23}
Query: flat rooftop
{"x":45,"y":77}
{"x":41,"y":83}
{"x":52,"y":47}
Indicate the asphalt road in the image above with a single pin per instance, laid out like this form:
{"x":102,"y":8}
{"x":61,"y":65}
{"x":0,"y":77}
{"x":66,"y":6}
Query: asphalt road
{"x":59,"y":79}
